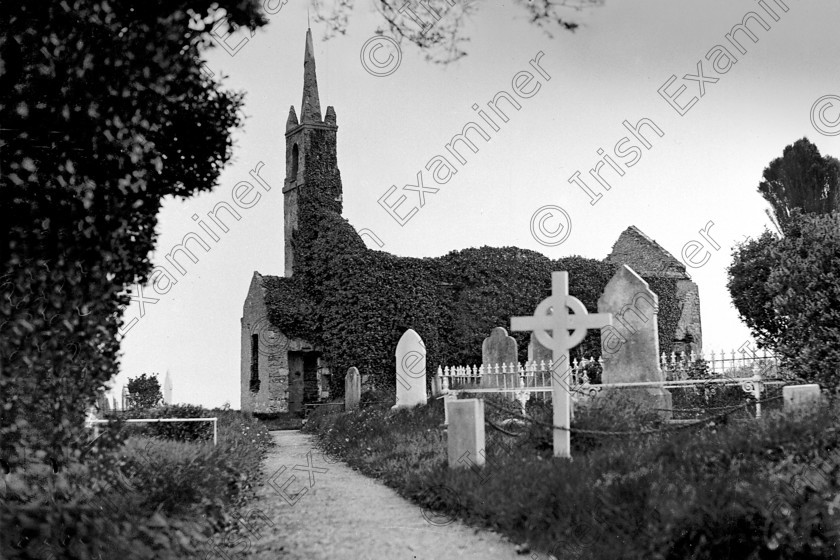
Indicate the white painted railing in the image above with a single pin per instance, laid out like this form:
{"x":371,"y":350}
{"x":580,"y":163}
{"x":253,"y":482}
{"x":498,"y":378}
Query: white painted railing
{"x":677,"y":365}
{"x":521,"y":381}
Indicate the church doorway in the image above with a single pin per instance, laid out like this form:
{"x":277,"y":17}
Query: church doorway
{"x":303,"y":380}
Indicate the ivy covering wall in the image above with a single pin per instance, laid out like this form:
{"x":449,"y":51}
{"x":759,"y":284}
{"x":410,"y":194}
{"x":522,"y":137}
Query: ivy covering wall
{"x":356,"y":302}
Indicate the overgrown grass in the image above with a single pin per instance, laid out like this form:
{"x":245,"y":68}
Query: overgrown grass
{"x":140,"y":497}
{"x":740,"y":488}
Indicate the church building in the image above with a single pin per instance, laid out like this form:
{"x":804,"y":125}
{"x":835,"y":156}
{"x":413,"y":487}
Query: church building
{"x":281,"y":373}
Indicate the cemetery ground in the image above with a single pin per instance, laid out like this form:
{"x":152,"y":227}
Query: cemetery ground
{"x":732,"y":487}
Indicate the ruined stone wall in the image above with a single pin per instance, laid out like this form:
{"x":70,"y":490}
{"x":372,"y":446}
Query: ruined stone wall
{"x":637,"y":253}
{"x":689,"y":329}
{"x":272,"y":348}
{"x":648,"y":258}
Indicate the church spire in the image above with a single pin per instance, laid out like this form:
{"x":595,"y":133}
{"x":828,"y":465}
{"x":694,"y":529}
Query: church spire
{"x":310,"y":110}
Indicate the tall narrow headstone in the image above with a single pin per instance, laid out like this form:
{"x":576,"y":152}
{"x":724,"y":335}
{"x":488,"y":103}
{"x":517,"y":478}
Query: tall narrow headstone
{"x":411,"y":370}
{"x":352,"y":389}
{"x":167,"y":389}
{"x":537,"y":352}
{"x":630,"y":347}
{"x":465,"y":433}
{"x":499,"y":348}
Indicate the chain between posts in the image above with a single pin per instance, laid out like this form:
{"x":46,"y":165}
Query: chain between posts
{"x":625,"y":432}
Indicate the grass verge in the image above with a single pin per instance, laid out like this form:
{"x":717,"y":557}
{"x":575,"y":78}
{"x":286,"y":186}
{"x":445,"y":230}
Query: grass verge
{"x":738,"y":488}
{"x":135,"y":496}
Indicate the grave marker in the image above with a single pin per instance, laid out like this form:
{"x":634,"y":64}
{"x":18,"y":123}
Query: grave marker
{"x":465,"y":433}
{"x":537,"y":352}
{"x":552,"y":323}
{"x":352,"y":389}
{"x":499,"y":348}
{"x":800,"y":398}
{"x":630,"y":349}
{"x":446,"y":400}
{"x":411,"y":370}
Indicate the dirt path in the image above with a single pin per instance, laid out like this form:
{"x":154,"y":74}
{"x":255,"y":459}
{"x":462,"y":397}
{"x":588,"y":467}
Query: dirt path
{"x":343,"y":514}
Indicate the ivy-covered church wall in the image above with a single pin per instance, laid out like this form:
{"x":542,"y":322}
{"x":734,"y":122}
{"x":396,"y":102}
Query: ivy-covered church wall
{"x":356,"y":302}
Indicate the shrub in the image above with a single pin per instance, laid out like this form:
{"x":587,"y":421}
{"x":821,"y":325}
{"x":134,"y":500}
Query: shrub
{"x":142,"y":497}
{"x":787,"y":291}
{"x":183,"y":431}
{"x":144,"y":391}
{"x":65,"y":274}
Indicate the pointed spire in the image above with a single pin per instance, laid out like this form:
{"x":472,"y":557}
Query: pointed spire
{"x":292,"y":121}
{"x":310,"y":110}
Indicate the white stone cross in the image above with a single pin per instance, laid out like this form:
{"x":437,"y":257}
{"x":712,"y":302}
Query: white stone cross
{"x":551,"y":324}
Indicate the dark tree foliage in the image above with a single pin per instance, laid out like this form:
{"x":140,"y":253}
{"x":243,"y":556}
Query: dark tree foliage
{"x":800,"y":179}
{"x":752,"y":263}
{"x":104,"y":111}
{"x":144,"y":391}
{"x":805,"y":285}
{"x":787,"y":290}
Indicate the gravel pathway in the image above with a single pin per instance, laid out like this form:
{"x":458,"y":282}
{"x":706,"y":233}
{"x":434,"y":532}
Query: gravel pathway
{"x":317,"y":509}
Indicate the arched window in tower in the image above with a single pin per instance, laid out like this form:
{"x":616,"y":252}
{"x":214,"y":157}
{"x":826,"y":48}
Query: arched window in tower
{"x":295,"y":158}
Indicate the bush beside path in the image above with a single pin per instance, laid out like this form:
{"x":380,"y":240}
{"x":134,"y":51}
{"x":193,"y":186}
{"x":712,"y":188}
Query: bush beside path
{"x":344,"y":514}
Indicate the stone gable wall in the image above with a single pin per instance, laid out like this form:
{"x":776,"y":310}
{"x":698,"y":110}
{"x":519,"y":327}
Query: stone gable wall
{"x":272,"y":396}
{"x":646,"y":257}
{"x":639,"y":254}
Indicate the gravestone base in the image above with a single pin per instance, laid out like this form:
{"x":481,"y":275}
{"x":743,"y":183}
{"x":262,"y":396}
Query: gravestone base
{"x":655,"y":398}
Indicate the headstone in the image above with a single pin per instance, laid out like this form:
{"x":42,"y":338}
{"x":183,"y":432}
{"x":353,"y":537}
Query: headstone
{"x":465,"y":433}
{"x":499,"y":348}
{"x":446,"y":400}
{"x":352,"y":389}
{"x":560,"y":322}
{"x":630,"y":348}
{"x":537,"y":352}
{"x":801,"y":398}
{"x":167,"y":389}
{"x":437,"y":383}
{"x":411,"y":370}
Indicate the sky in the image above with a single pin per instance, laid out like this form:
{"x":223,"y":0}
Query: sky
{"x":516,"y":190}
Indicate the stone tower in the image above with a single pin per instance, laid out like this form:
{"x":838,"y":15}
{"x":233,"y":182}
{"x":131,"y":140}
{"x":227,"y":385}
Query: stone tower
{"x":312,"y":175}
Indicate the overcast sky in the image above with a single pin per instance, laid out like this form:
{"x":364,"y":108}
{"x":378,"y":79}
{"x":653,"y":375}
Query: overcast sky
{"x":705,"y":166}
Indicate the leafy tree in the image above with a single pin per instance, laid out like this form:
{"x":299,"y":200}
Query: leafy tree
{"x":803,"y":179}
{"x":805,"y":285}
{"x":439,"y":30}
{"x":787,"y":289}
{"x":751,"y":266}
{"x":144,"y":391}
{"x":105,"y":111}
